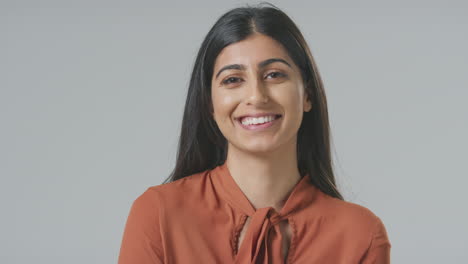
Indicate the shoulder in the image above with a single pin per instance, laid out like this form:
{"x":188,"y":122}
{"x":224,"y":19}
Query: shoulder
{"x":335,"y":208}
{"x":350,"y":225}
{"x":188,"y":184}
{"x":351,"y":218}
{"x":180,"y":192}
{"x":152,"y":203}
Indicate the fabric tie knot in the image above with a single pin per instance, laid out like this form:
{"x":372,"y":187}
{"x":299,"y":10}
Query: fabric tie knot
{"x":263,"y":240}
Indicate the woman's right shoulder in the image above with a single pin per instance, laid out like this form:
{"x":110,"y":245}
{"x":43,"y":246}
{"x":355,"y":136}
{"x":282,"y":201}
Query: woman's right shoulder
{"x":180,"y":189}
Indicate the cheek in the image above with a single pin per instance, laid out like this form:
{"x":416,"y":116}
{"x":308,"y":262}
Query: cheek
{"x":290,"y":98}
{"x":223,"y":104}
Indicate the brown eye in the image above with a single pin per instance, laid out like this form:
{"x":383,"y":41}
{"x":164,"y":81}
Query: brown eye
{"x":228,"y":80}
{"x":276,"y":74}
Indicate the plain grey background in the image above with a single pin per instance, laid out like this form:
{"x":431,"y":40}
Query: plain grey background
{"x":92,"y":95}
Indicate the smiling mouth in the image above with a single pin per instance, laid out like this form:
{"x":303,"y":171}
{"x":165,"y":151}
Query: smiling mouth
{"x":260,"y":126}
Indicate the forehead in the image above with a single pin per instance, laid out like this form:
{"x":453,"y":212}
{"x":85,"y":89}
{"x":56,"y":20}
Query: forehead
{"x":251,"y":50}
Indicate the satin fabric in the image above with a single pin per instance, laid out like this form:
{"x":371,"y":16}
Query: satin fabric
{"x":198,"y":219}
{"x":263,"y":240}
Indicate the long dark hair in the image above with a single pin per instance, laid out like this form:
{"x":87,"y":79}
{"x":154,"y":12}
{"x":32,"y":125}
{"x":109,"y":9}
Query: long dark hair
{"x":202,"y":146}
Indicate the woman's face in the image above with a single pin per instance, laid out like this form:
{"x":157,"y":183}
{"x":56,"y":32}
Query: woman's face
{"x":250,"y":89}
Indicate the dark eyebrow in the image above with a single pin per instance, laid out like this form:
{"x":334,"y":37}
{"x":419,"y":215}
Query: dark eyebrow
{"x":260,"y":65}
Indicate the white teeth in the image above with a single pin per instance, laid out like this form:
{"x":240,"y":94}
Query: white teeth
{"x":260,"y":120}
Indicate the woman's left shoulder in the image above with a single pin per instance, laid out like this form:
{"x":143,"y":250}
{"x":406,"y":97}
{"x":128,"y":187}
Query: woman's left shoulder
{"x":351,"y":214}
{"x":358,"y":222}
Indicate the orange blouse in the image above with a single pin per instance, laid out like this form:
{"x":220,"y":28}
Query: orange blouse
{"x":198,"y":219}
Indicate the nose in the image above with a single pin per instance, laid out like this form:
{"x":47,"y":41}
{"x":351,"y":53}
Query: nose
{"x":257,"y":93}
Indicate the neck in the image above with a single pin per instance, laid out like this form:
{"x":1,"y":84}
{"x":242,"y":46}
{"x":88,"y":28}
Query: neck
{"x":267,"y":179}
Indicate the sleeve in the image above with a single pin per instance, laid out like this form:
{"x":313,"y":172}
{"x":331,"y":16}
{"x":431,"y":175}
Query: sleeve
{"x":379,"y":249}
{"x":141,"y":242}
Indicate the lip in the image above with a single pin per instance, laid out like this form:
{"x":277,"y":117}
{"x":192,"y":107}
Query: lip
{"x":259,"y":127}
{"x":257,"y":115}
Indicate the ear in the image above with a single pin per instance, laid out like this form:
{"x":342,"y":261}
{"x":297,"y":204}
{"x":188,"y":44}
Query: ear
{"x":307,"y":104}
{"x":212,"y":112}
{"x":210,"y":108}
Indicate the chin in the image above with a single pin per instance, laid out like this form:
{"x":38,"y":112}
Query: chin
{"x":260,"y":148}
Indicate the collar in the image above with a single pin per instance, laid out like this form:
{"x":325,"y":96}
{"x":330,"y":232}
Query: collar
{"x":263,"y":239}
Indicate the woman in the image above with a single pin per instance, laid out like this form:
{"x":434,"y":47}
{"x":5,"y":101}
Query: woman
{"x":253,"y":182}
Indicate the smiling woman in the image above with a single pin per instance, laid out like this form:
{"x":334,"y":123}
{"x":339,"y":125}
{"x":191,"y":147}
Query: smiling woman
{"x":253,"y":180}
{"x":268,"y":87}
